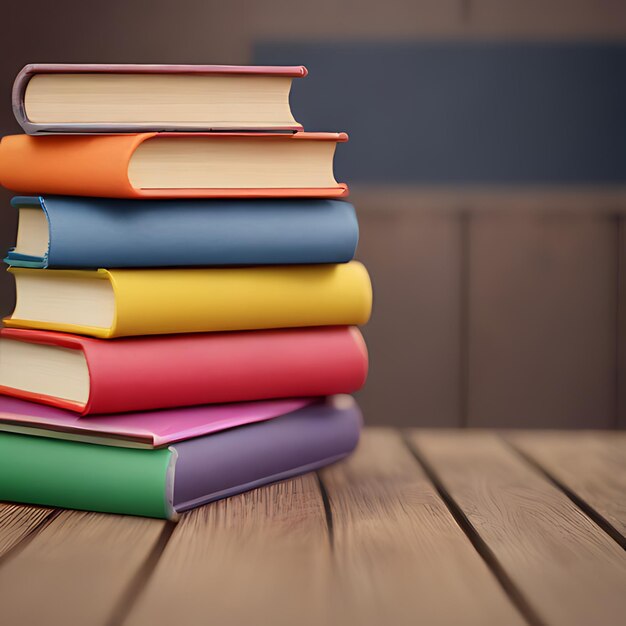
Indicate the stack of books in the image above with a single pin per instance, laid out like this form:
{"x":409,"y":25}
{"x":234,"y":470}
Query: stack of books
{"x":187,"y":305}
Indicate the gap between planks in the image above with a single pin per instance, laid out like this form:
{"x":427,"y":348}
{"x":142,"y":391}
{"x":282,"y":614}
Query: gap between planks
{"x":327,"y":511}
{"x":58,"y":552}
{"x":399,"y":556}
{"x":128,"y":598}
{"x":570,"y":571}
{"x":76,"y":568}
{"x":588,"y":467}
{"x":265,"y":556}
{"x":485,"y":552}
{"x":398,"y":551}
{"x":261,"y":557}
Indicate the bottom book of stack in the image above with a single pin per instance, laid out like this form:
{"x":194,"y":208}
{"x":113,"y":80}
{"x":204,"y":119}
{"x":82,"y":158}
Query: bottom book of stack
{"x":160,"y":463}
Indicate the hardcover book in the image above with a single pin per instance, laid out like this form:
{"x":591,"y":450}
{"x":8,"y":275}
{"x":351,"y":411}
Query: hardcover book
{"x":80,"y":232}
{"x":167,"y":481}
{"x":173,"y":165}
{"x":93,"y":98}
{"x":141,"y":429}
{"x":126,"y":302}
{"x":96,"y":376}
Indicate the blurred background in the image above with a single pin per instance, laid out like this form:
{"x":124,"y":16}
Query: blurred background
{"x":487,"y":163}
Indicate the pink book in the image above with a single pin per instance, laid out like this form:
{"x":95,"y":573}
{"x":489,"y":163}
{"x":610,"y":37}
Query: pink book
{"x":145,"y":429}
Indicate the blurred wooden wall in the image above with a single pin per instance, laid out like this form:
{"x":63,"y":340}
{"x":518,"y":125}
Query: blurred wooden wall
{"x":496,"y":308}
{"x":493,"y":307}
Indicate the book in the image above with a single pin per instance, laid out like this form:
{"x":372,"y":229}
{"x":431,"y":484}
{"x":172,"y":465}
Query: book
{"x":141,"y":429}
{"x":96,"y":376}
{"x":125,"y":302}
{"x":173,"y":165}
{"x":167,"y":481}
{"x":81,"y":232}
{"x":94,"y":98}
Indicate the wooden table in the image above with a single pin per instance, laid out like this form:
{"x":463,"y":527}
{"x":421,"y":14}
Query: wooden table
{"x":418,"y":527}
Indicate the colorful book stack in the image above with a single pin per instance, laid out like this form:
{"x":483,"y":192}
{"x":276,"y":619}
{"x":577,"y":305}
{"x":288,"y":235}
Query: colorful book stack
{"x":187,"y":303}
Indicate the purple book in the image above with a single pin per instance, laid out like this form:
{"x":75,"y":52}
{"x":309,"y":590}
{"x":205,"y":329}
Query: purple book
{"x":97,"y":98}
{"x":163,"y":482}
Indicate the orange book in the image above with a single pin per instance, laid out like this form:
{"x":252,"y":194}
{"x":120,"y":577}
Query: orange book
{"x":173,"y":165}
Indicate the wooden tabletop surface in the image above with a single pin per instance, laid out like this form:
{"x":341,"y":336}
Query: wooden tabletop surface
{"x":417,"y":527}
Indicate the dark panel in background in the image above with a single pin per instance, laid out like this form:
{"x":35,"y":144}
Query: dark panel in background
{"x":538,"y":348}
{"x":453,"y":112}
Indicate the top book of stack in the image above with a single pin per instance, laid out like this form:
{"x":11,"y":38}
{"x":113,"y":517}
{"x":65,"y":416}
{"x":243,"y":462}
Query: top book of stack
{"x":77,"y":98}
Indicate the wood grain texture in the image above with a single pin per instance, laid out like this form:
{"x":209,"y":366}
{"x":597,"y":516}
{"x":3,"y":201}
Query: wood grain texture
{"x":400,"y":557}
{"x":591,"y":465}
{"x":568,"y":570}
{"x":542,"y":321}
{"x":413,"y":337}
{"x":17,"y":522}
{"x":258,"y":558}
{"x":76,"y":569}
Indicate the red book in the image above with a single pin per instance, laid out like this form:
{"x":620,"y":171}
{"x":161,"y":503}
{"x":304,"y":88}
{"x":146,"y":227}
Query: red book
{"x":93,"y":376}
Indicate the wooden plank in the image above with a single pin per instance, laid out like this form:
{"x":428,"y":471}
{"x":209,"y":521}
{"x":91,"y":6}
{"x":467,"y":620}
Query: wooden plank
{"x":414,"y":258}
{"x":542,"y":321}
{"x":258,"y":558}
{"x":591,"y":466}
{"x":17,"y":522}
{"x":400,"y":556}
{"x":77,"y":569}
{"x":565,"y":567}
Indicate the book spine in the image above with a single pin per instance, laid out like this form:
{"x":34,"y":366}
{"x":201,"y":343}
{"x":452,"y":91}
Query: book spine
{"x":17,"y":99}
{"x":206,"y":300}
{"x":53,"y":472}
{"x":235,"y":460}
{"x":83,"y":166}
{"x":153,"y":373}
{"x":93,"y":233}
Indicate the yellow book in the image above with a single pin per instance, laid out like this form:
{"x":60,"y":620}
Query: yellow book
{"x":125,"y":302}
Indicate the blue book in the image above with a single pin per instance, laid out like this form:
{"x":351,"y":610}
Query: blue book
{"x":76,"y":232}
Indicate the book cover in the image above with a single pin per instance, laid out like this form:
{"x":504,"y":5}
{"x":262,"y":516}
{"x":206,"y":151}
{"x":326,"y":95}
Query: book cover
{"x":31,"y":127}
{"x":128,"y":302}
{"x":167,"y":481}
{"x":104,"y":165}
{"x":140,"y":429}
{"x":87,"y":232}
{"x":143,"y":373}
